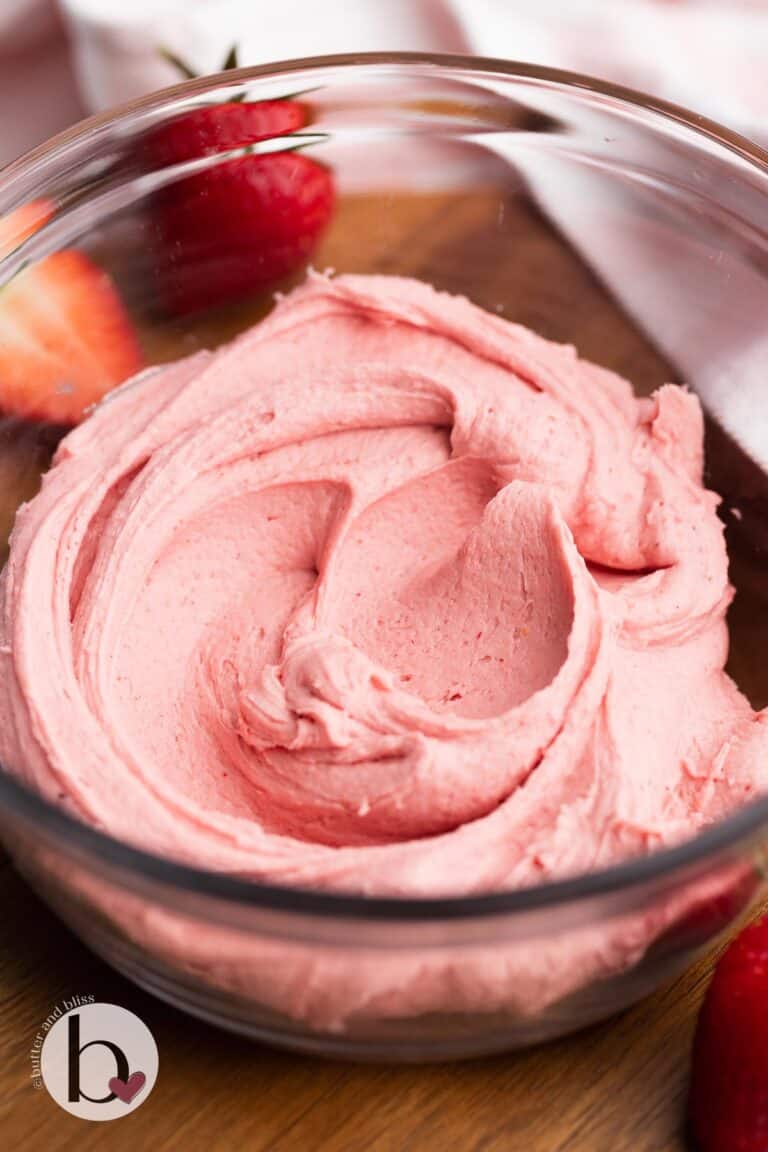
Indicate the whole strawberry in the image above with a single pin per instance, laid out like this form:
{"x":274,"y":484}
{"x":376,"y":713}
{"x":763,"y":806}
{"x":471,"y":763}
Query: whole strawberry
{"x":243,"y":223}
{"x":728,"y":1102}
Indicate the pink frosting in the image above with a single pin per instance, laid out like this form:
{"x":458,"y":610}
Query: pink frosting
{"x":389,"y":595}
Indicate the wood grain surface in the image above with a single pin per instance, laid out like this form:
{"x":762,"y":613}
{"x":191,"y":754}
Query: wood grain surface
{"x":618,"y":1087}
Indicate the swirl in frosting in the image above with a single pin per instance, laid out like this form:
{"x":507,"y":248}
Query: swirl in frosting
{"x":389,"y":595}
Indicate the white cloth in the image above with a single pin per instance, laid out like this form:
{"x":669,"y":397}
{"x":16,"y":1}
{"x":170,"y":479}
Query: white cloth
{"x":707,"y":54}
{"x":117,"y":42}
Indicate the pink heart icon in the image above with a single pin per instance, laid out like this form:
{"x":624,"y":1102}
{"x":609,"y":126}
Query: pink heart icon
{"x":125,"y":1090}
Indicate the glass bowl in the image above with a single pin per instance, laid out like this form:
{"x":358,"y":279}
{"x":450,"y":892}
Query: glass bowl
{"x":629,"y":228}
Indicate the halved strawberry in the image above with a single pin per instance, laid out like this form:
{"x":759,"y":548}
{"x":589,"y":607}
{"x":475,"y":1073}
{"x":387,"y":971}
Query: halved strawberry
{"x":23,"y":222}
{"x":65,"y":339}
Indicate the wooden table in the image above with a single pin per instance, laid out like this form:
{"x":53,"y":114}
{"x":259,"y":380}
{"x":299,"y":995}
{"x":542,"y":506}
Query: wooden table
{"x":618,"y":1087}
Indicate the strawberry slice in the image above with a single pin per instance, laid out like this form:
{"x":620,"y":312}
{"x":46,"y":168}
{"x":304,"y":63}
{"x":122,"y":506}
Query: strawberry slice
{"x":65,"y":339}
{"x":242,"y":224}
{"x":22,"y":223}
{"x":728,"y":1102}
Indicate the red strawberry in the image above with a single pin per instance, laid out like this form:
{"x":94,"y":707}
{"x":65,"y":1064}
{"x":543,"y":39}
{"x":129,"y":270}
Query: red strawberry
{"x":21,"y":223}
{"x":242,"y":224}
{"x":728,"y":1103}
{"x":65,"y":339}
{"x":219,"y":128}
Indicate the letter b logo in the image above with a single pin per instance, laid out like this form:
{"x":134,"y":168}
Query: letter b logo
{"x":99,"y":1061}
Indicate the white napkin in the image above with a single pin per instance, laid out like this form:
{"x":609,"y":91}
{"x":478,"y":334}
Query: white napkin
{"x":118,"y":42}
{"x":708,"y":54}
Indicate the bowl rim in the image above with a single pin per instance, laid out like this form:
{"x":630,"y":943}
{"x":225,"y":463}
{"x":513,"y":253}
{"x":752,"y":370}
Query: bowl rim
{"x":734,"y":141}
{"x":669,"y":865}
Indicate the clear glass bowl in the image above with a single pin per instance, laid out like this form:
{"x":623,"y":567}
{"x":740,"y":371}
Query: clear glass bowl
{"x":632,"y":229}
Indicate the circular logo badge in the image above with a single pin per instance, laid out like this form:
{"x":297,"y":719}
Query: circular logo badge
{"x":99,"y":1062}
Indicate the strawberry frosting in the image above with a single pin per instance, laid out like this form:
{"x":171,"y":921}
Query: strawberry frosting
{"x":389,"y":595}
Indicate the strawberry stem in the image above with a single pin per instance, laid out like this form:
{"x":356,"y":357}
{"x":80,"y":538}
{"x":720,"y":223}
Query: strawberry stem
{"x":297,"y":95}
{"x":177,"y":62}
{"x":231,"y":61}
